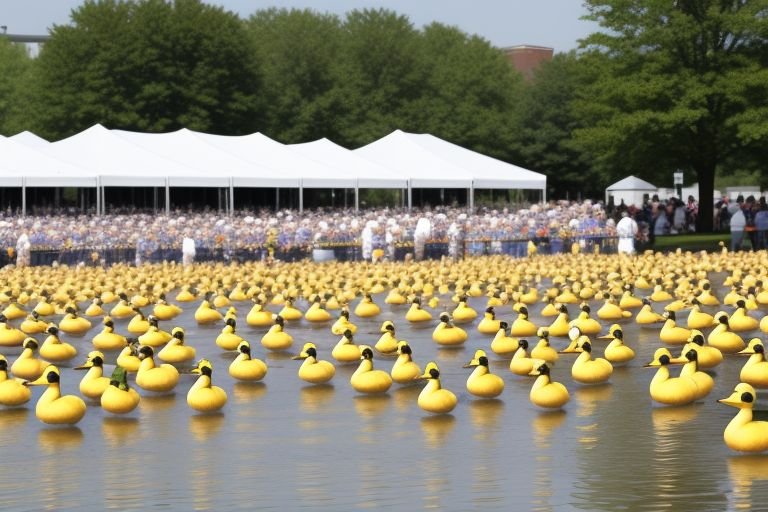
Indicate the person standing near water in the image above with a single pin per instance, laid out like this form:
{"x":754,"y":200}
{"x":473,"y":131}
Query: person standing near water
{"x":627,"y":231}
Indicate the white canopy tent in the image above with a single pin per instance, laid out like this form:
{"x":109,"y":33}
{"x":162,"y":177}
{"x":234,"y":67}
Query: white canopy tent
{"x":30,"y":139}
{"x":368,"y":173}
{"x":434,"y":163}
{"x":632,"y":190}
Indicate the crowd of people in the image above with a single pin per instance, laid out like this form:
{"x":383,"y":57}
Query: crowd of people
{"x":380,"y":230}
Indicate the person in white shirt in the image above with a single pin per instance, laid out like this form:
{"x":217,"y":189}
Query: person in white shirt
{"x":627,"y":231}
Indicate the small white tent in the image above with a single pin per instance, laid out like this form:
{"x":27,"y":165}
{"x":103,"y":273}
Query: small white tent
{"x":632,"y":190}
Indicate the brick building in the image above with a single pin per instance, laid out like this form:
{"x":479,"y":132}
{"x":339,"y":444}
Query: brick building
{"x":526,"y":58}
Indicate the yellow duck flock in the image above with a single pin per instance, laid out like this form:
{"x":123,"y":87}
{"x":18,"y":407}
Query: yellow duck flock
{"x":659,"y":287}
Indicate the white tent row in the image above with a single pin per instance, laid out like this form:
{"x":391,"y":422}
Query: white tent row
{"x":100,"y":158}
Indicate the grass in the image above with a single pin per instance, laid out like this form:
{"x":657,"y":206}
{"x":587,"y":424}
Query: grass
{"x":693,"y":242}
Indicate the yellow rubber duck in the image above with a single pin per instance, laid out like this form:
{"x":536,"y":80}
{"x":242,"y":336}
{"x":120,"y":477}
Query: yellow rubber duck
{"x":12,"y":391}
{"x":52,"y":408}
{"x":612,"y":311}
{"x":590,"y":371}
{"x":543,"y":350}
{"x":258,"y":316}
{"x":316,"y":312}
{"x":647,"y":316}
{"x":175,"y":351}
{"x":73,"y":324}
{"x":186,"y":294}
{"x":706,"y":297}
{"x":10,"y":336}
{"x":345,"y":350}
{"x":433,"y":398}
{"x":313,"y":370}
{"x":521,"y":364}
{"x":276,"y":338}
{"x":95,"y":309}
{"x":697,"y":319}
{"x":93,"y":384}
{"x":617,"y":352}
{"x":31,"y":325}
{"x":628,"y":299}
{"x":13,"y":311}
{"x":244,"y":367}
{"x":447,"y":334}
{"x":228,"y":339}
{"x":290,"y":313}
{"x":387,"y":343}
{"x":742,"y":433}
{"x":154,"y":336}
{"x":482,"y":382}
{"x":43,"y":307}
{"x":221,"y":300}
{"x":740,"y":321}
{"x":149,"y":377}
{"x":343,"y":324}
{"x":165,"y":311}
{"x":561,"y":325}
{"x":366,"y":308}
{"x":119,"y":398}
{"x":463,"y":313}
{"x":366,"y":379}
{"x":122,"y":309}
{"x":129,"y":356}
{"x":585,"y":323}
{"x":546,"y":393}
{"x":755,"y":370}
{"x":704,"y":382}
{"x":416,"y":314}
{"x":138,"y":324}
{"x":54,"y":349}
{"x":708,"y":357}
{"x":521,"y":326}
{"x":551,"y":309}
{"x":206,"y":314}
{"x":404,"y":371}
{"x":108,"y":339}
{"x":567,"y":297}
{"x":670,"y":390}
{"x":502,"y":344}
{"x":395,"y":297}
{"x":660,"y":294}
{"x":489,"y":324}
{"x":672,"y":334}
{"x":722,"y":338}
{"x":203,"y":396}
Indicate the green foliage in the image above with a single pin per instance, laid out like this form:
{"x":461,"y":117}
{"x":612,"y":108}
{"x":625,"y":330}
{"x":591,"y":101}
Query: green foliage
{"x":677,"y":88}
{"x":149,"y":66}
{"x":15,"y":69}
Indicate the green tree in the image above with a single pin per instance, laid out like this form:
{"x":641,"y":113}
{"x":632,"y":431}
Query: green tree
{"x":298,"y":54}
{"x":15,"y":67}
{"x":378,"y":74}
{"x":469,"y":92}
{"x":149,"y":65}
{"x":685,"y":87}
{"x":547,"y":123}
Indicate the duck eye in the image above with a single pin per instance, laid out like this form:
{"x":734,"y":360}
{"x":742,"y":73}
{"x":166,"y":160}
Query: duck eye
{"x":54,"y":377}
{"x":664,"y":359}
{"x":747,"y":397}
{"x":434,"y":373}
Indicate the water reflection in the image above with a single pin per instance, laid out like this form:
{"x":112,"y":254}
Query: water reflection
{"x":484,"y":415}
{"x":406,"y":397}
{"x":314,"y":399}
{"x":204,"y":427}
{"x":244,"y":392}
{"x":744,"y":471}
{"x":154,"y":404}
{"x":52,"y":440}
{"x":436,"y":430}
{"x":668,"y":421}
{"x":544,"y":424}
{"x":371,"y":406}
{"x":11,"y":419}
{"x":119,"y":431}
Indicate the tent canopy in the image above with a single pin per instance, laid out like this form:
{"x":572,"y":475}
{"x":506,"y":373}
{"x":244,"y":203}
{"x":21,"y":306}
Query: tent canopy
{"x":632,"y":183}
{"x":23,"y":165}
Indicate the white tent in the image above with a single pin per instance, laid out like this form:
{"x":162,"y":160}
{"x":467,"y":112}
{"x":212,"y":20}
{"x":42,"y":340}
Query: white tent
{"x":632,"y":190}
{"x":431,"y":162}
{"x":30,"y":139}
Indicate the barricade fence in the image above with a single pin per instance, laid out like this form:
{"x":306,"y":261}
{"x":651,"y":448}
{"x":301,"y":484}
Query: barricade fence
{"x":347,"y":251}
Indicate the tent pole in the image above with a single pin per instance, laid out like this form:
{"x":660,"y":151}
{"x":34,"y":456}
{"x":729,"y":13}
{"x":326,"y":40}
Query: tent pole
{"x":301,"y":197}
{"x":98,"y":196}
{"x":277,"y":199}
{"x":357,"y":197}
{"x":231,"y":196}
{"x":472,"y":196}
{"x":23,"y":197}
{"x":410,"y":195}
{"x":167,"y":196}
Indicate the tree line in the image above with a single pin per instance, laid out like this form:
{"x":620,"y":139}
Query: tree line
{"x":661,"y":86}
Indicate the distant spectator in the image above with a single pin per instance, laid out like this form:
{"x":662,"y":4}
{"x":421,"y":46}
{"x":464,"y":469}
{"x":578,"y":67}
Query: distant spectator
{"x":738,"y":223}
{"x":761,"y":224}
{"x":627,"y":230}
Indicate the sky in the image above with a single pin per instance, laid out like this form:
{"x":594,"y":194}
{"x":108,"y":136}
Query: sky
{"x":552,"y":23}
